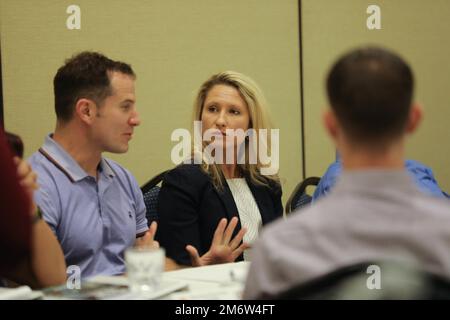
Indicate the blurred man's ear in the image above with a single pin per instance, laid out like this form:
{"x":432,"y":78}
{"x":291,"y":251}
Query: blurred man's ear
{"x":414,"y":118}
{"x":85,"y":110}
{"x":331,"y":124}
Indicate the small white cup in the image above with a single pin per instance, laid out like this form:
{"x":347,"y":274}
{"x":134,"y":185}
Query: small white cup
{"x":144,"y":269}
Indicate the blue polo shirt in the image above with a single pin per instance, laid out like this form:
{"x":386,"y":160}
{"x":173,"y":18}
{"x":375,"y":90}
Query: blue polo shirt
{"x":94,"y":221}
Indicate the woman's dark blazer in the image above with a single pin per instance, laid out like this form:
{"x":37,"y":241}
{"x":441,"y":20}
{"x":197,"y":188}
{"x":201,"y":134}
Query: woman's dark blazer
{"x":190,"y":208}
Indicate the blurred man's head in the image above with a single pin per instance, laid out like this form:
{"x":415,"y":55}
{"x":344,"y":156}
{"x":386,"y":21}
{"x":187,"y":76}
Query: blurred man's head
{"x":370,"y":92}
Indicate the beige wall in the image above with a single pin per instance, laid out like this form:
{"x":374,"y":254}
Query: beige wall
{"x":173,"y":46}
{"x":419,"y":30}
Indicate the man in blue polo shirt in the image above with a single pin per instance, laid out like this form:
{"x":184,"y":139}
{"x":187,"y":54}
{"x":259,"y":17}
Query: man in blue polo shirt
{"x":93,"y":205}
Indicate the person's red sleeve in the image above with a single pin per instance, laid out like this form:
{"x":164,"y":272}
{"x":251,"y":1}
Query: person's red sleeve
{"x":15,"y":220}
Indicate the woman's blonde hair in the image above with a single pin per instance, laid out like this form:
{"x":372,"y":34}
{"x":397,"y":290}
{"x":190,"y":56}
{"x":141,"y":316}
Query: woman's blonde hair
{"x":257,"y":107}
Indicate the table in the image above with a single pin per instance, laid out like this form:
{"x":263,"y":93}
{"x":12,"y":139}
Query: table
{"x":215,"y":282}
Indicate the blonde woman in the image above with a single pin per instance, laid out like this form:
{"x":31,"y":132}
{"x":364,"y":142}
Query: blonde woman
{"x":223,"y":183}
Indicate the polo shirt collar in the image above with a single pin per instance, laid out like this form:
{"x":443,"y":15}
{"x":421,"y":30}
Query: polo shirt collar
{"x":64,"y":161}
{"x":106,"y":168}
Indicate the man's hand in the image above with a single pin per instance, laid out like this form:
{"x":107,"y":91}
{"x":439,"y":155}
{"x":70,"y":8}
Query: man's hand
{"x":147,"y":240}
{"x":27,"y":179}
{"x":223,"y":249}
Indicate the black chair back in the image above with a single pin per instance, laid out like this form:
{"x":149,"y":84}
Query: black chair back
{"x":299,"y":197}
{"x":150,"y":191}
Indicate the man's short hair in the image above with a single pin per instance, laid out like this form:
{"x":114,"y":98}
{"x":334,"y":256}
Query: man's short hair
{"x":85,"y":75}
{"x":370,"y":91}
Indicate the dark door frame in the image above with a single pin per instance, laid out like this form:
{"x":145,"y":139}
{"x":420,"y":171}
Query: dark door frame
{"x":302,"y":108}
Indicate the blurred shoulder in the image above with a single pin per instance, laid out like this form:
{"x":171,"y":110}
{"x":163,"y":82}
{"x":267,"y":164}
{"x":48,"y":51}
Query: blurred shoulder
{"x":416,"y":166}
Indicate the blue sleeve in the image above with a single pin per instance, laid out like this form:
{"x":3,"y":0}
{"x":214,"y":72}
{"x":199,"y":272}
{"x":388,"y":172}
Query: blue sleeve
{"x":50,"y":213}
{"x":47,"y":195}
{"x":328,"y":180}
{"x":424,"y":178}
{"x":141,"y":220}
